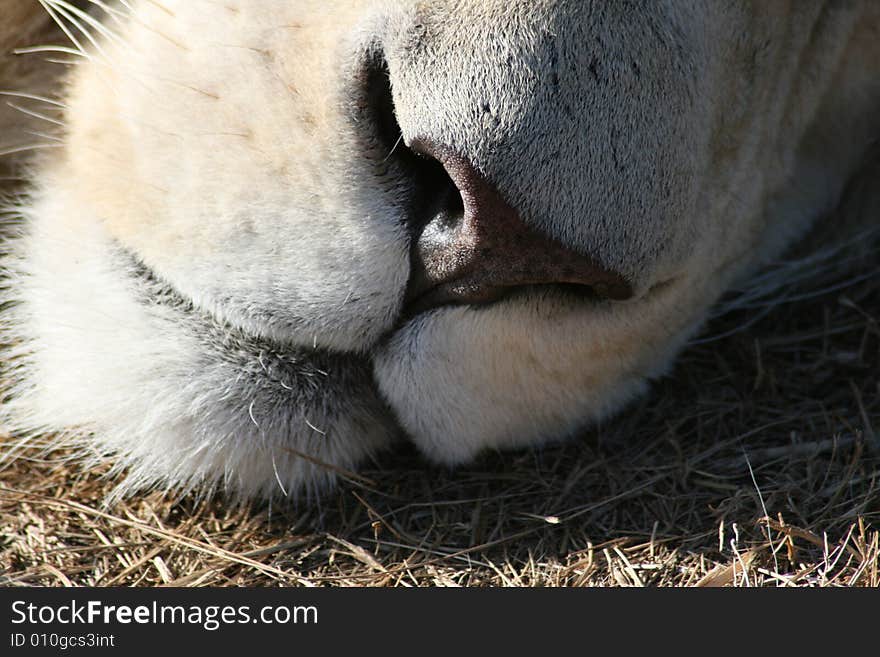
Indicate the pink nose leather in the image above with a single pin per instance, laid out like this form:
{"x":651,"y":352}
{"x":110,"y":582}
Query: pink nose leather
{"x":486,"y":250}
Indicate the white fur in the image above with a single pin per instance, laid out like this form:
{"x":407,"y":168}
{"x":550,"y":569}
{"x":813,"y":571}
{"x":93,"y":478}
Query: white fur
{"x":220,"y":224}
{"x":139,"y":387}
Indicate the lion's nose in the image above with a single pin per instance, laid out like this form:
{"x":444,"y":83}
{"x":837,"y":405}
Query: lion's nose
{"x":475,"y":248}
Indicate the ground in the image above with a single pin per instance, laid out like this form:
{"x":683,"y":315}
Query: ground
{"x":755,"y":462}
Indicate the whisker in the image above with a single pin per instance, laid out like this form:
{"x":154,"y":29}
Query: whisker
{"x":42,"y":99}
{"x":96,"y":24}
{"x":38,"y":49}
{"x":26,"y":148}
{"x":393,"y":148}
{"x":63,"y":62}
{"x":34,"y":133}
{"x":34,"y":114}
{"x":110,"y":9}
{"x":64,"y":29}
{"x":63,"y":11}
{"x":278,"y":477}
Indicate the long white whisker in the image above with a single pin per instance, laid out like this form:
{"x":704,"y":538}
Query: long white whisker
{"x":63,"y":62}
{"x":64,"y":29}
{"x":42,"y":99}
{"x":67,"y":50}
{"x":43,"y":135}
{"x":26,"y":148}
{"x":71,"y":18}
{"x":100,"y":27}
{"x":278,"y":477}
{"x":114,"y":13}
{"x":35,"y":115}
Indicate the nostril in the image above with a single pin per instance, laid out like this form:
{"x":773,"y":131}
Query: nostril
{"x":468,"y":245}
{"x":430,"y":191}
{"x":439,"y":200}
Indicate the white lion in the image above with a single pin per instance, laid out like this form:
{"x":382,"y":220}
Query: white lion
{"x":268,"y":238}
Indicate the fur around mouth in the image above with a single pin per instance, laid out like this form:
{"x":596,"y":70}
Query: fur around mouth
{"x":152,"y":290}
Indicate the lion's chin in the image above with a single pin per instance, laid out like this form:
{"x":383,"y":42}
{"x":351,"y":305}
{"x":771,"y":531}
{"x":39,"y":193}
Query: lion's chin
{"x":524,"y":371}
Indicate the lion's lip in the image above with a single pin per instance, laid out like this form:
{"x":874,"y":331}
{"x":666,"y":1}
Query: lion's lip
{"x":470,"y":293}
{"x":478,"y":297}
{"x":456,"y":293}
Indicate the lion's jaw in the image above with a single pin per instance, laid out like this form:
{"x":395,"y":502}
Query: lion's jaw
{"x":212,"y":276}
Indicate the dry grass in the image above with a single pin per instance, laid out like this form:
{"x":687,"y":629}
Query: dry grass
{"x":757,"y":462}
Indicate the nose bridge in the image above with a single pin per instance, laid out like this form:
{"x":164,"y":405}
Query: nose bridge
{"x":484,"y":83}
{"x":467,"y":79}
{"x":579,"y":113}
